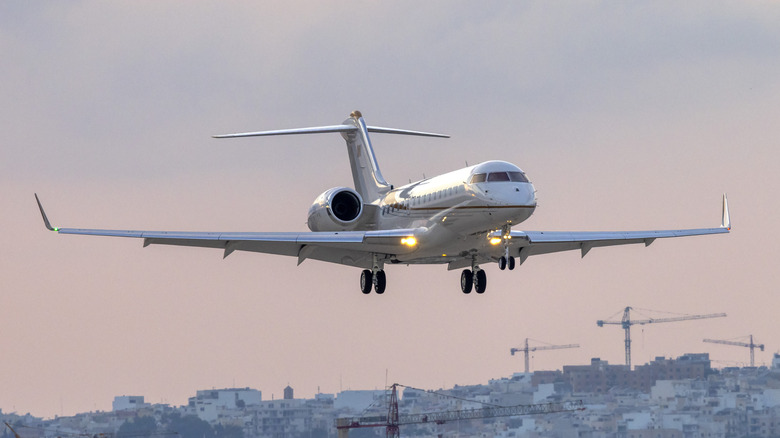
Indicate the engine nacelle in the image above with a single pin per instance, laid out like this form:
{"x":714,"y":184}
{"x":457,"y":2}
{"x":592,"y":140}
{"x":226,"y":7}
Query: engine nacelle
{"x":338,"y":209}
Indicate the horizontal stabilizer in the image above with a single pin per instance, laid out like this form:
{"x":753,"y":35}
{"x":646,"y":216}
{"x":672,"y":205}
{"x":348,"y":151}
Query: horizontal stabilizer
{"x":314,"y":130}
{"x":404,"y":132}
{"x":327,"y":129}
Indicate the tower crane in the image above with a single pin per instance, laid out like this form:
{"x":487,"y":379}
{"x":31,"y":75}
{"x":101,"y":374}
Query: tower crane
{"x":528,"y":349}
{"x":626,"y":322}
{"x":749,"y":345}
{"x":394,"y":419}
{"x":16,"y":435}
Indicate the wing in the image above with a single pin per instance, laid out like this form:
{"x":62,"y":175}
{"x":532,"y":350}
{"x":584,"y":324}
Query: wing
{"x":352,"y":248}
{"x":545,"y":242}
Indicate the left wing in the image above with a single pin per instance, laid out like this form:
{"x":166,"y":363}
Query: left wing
{"x":345,"y":247}
{"x":545,"y":242}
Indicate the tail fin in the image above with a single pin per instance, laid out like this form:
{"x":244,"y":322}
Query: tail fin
{"x":366,"y":175}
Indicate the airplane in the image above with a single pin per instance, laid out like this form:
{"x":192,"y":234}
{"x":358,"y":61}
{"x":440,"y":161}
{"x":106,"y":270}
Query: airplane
{"x":463,"y":219}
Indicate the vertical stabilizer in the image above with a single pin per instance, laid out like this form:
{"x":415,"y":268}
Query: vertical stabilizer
{"x":366,"y":175}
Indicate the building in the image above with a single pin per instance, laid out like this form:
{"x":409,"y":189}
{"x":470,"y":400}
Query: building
{"x":209,"y":405}
{"x":599,"y":377}
{"x":129,"y":402}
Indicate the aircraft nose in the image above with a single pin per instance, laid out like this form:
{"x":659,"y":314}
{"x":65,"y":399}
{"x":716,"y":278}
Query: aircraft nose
{"x":525,"y":194}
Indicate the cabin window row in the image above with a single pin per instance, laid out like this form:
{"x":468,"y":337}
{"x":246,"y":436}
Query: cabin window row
{"x":418,"y":200}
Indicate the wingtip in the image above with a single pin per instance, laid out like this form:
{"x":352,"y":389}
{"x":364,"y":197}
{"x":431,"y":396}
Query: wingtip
{"x":43,"y":214}
{"x":726,"y":219}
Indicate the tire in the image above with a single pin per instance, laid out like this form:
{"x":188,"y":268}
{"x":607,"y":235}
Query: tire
{"x":502,"y":263}
{"x":365,"y":281}
{"x":381,"y":282}
{"x":466,"y":281}
{"x":511,"y":263}
{"x":481,"y":282}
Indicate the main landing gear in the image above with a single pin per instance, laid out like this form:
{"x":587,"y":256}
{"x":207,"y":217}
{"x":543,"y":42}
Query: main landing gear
{"x":375,"y":276}
{"x":368,"y":279}
{"x":476,"y":278}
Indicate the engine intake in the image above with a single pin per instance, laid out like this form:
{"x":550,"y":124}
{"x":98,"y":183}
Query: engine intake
{"x":338,"y":209}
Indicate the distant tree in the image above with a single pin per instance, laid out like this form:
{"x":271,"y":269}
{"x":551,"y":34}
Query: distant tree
{"x":137,"y":427}
{"x":228,"y":431}
{"x":189,"y":426}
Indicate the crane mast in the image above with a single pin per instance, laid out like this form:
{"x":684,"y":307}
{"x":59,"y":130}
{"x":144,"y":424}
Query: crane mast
{"x":749,"y":345}
{"x":528,"y":349}
{"x":626,"y":322}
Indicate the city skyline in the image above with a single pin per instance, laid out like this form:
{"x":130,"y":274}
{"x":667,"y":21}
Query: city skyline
{"x":624,"y":116}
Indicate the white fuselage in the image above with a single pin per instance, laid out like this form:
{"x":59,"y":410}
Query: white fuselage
{"x":458,"y":206}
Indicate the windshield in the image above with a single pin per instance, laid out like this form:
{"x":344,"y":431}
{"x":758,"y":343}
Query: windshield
{"x":499,"y":177}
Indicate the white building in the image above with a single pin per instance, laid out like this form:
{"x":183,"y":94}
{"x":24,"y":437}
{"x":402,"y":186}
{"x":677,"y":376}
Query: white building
{"x":129,"y":402}
{"x":211,"y":403}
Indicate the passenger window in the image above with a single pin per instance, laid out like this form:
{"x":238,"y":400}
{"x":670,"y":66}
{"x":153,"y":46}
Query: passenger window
{"x":478,"y":178}
{"x":518,"y":177}
{"x":498,"y":176}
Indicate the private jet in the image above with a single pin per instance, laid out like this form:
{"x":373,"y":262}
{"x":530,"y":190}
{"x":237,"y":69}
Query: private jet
{"x":463,"y":219}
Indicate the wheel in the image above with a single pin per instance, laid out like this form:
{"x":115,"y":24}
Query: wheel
{"x":466,"y":281}
{"x":380,"y":282}
{"x":480,"y":283}
{"x":502,"y":263}
{"x":365,"y":281}
{"x":511,"y":263}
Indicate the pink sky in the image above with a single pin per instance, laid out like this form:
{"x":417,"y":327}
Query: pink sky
{"x":625,"y":117}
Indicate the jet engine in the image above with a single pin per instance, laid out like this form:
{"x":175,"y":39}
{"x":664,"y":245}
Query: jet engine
{"x":338,"y":209}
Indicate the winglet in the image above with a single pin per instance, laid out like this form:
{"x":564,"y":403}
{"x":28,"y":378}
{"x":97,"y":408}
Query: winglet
{"x":726,"y":221}
{"x":43,"y":213}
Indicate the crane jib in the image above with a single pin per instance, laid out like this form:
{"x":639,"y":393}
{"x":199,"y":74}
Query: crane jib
{"x":468,"y":414}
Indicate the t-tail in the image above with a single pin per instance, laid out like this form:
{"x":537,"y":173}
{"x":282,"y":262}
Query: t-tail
{"x":367,"y":177}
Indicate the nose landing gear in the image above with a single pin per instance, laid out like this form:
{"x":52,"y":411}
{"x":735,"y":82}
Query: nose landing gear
{"x":506,"y":262}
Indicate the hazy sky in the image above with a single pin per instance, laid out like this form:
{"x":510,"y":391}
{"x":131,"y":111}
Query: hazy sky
{"x":625,"y":115}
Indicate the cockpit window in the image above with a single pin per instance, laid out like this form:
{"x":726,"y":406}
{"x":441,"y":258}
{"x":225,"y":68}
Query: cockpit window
{"x":518,"y":177}
{"x":497,"y":176}
{"x":478,"y":178}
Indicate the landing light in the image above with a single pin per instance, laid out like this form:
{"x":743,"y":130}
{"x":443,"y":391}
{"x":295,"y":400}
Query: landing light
{"x":409,"y":241}
{"x":495,"y":240}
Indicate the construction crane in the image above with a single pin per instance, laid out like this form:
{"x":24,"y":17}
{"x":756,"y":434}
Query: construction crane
{"x":626,"y":322}
{"x":393,"y":420}
{"x":749,"y":345}
{"x":16,"y":435}
{"x":528,"y":349}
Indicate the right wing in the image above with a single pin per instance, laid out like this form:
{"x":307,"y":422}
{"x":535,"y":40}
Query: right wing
{"x":545,"y":242}
{"x":352,"y":248}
